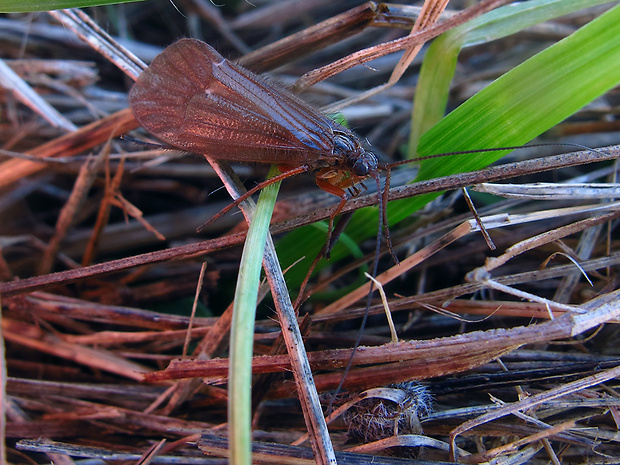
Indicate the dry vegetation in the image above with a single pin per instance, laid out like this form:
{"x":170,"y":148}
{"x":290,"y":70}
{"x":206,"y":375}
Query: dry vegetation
{"x":101,"y":261}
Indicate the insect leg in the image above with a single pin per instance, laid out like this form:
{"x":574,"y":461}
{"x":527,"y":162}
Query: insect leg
{"x":383,"y":206}
{"x":259,"y":186}
{"x":328,"y":187}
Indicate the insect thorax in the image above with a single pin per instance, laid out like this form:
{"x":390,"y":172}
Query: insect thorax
{"x":354,"y":157}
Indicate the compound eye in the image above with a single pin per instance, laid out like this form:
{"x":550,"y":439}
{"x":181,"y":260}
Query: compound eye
{"x":364,"y":164}
{"x":361,"y":168}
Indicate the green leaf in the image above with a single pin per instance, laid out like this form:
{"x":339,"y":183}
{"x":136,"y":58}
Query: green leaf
{"x":439,"y":63}
{"x":242,"y":327}
{"x":25,"y":6}
{"x":514,"y":109}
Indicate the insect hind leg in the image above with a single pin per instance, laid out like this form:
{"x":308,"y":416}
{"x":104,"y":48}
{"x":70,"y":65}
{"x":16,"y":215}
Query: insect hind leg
{"x":249,"y":193}
{"x":344,"y":197}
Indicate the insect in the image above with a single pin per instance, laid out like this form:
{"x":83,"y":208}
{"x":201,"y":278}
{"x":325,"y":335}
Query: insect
{"x":192,"y":98}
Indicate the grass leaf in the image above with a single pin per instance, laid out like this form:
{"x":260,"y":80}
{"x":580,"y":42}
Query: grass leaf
{"x":242,"y":328}
{"x":25,"y":6}
{"x":520,"y":105}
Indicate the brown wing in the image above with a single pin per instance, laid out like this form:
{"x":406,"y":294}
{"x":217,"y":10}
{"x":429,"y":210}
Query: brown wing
{"x":192,"y":98}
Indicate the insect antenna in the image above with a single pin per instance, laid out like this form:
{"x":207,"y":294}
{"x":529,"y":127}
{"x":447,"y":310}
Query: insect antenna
{"x":493,"y":149}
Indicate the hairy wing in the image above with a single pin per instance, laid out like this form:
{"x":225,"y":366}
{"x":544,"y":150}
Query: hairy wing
{"x":192,"y":98}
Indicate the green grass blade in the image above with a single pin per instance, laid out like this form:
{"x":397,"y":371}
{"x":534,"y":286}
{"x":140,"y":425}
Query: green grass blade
{"x":439,"y":63}
{"x":25,"y":6}
{"x":519,"y":106}
{"x":523,"y":103}
{"x":242,"y":328}
{"x":528,"y":100}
